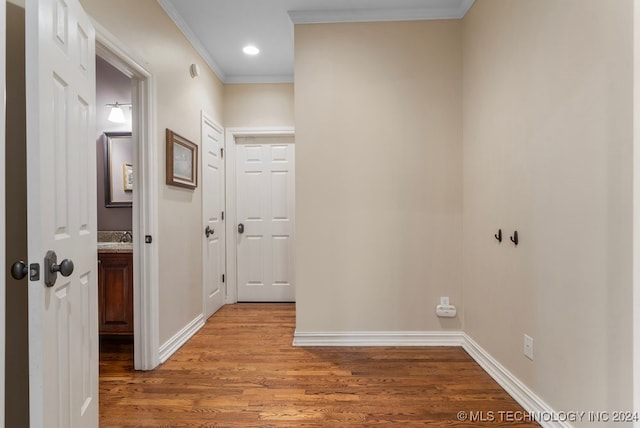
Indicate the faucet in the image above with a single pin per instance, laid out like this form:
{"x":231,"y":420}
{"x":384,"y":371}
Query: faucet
{"x":126,"y":237}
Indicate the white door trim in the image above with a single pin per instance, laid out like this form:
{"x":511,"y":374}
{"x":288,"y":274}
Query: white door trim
{"x":145,"y":203}
{"x":230,"y":185}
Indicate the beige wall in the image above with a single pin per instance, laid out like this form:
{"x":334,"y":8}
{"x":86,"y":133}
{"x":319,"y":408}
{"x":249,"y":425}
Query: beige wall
{"x":547,"y":151}
{"x":247,"y":105}
{"x":378,"y":175}
{"x":145,"y":28}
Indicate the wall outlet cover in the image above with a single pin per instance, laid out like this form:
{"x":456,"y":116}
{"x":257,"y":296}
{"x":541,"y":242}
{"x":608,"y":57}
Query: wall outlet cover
{"x":528,"y":347}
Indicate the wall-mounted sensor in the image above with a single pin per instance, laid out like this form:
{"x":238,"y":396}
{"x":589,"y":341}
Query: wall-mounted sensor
{"x":194,"y":70}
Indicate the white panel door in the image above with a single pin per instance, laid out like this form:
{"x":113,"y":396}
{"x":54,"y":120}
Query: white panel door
{"x":213,"y":207}
{"x":265,"y":218}
{"x":61,"y":180}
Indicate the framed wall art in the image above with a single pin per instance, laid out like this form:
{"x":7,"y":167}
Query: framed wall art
{"x":182,"y":161}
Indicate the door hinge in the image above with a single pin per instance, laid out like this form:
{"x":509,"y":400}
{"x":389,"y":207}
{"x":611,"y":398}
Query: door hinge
{"x":222,"y":215}
{"x":221,"y":152}
{"x":222,"y":277}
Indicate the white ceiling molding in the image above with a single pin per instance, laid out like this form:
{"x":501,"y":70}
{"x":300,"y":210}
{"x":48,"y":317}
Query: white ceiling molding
{"x":193,"y":39}
{"x":260,"y":79}
{"x":457,"y":10}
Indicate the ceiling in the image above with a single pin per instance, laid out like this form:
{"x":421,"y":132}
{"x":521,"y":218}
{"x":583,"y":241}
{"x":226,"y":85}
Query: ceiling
{"x":219,"y":29}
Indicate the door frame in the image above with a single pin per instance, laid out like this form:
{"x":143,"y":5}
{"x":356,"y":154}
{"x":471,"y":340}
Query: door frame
{"x":230,"y":189}
{"x":3,"y":53}
{"x":204,"y":117}
{"x":145,"y":198}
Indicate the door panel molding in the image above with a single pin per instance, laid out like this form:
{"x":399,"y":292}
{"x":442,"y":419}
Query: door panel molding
{"x":245,"y":134}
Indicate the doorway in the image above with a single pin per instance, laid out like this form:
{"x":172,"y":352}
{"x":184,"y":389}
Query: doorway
{"x":261,"y":205}
{"x":143,"y":198}
{"x":114,"y":168}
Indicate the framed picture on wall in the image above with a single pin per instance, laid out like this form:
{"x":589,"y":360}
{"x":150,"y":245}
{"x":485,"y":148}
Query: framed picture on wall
{"x":127,"y":177}
{"x":118,"y":169}
{"x":182,"y":161}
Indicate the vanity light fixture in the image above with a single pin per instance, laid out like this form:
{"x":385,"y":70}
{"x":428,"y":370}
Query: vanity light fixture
{"x":251,"y":50}
{"x":117,"y":115}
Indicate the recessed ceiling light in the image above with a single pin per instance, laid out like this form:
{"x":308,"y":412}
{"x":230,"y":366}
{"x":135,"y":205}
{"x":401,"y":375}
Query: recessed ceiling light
{"x":251,"y":50}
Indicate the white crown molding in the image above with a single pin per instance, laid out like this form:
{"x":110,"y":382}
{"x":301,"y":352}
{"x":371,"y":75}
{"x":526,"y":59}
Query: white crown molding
{"x":287,"y":78}
{"x":191,"y":37}
{"x":180,"y":338}
{"x":456,"y":11}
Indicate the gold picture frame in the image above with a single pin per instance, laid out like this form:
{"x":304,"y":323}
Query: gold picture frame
{"x":182,"y":161}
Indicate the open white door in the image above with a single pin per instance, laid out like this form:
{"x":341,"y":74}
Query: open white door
{"x":212,"y":213}
{"x":61,"y":181}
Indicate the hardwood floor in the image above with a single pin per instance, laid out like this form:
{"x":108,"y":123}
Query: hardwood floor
{"x":240,"y":370}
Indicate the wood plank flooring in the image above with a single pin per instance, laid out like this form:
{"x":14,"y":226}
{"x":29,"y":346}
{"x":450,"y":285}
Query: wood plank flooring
{"x":240,"y":370}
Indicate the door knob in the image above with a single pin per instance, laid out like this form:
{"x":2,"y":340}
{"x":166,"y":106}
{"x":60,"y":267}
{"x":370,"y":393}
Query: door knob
{"x":19,"y":270}
{"x":65,"y":267}
{"x":51,"y":268}
{"x":208,"y":231}
{"x":241,"y":228}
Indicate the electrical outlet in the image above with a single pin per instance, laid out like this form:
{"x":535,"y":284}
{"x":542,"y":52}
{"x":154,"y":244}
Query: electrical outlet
{"x":528,"y":347}
{"x":444,"y":301}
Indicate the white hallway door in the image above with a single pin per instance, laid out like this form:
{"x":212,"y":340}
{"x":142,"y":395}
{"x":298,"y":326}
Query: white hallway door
{"x":61,"y":215}
{"x":265,"y":221}
{"x":213,"y":206}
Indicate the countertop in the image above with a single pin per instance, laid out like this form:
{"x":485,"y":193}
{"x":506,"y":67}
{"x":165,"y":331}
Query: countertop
{"x":115,"y":247}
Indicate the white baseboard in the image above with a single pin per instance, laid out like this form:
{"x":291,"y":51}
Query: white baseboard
{"x":379,"y":338}
{"x":168,"y":348}
{"x":511,"y":384}
{"x":514,"y":387}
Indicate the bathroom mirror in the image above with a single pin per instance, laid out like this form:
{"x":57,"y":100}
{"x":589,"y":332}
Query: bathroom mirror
{"x":118,"y":169}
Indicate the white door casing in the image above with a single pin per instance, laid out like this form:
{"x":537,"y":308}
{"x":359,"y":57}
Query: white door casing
{"x":145,"y":202}
{"x":213,"y":180}
{"x":265,"y":169}
{"x":61,"y":181}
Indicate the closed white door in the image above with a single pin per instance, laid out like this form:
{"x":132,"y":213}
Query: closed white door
{"x":265,"y":221}
{"x":213,"y":207}
{"x":61,"y":215}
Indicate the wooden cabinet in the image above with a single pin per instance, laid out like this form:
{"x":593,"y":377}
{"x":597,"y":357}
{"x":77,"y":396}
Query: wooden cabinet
{"x":115,"y":293}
